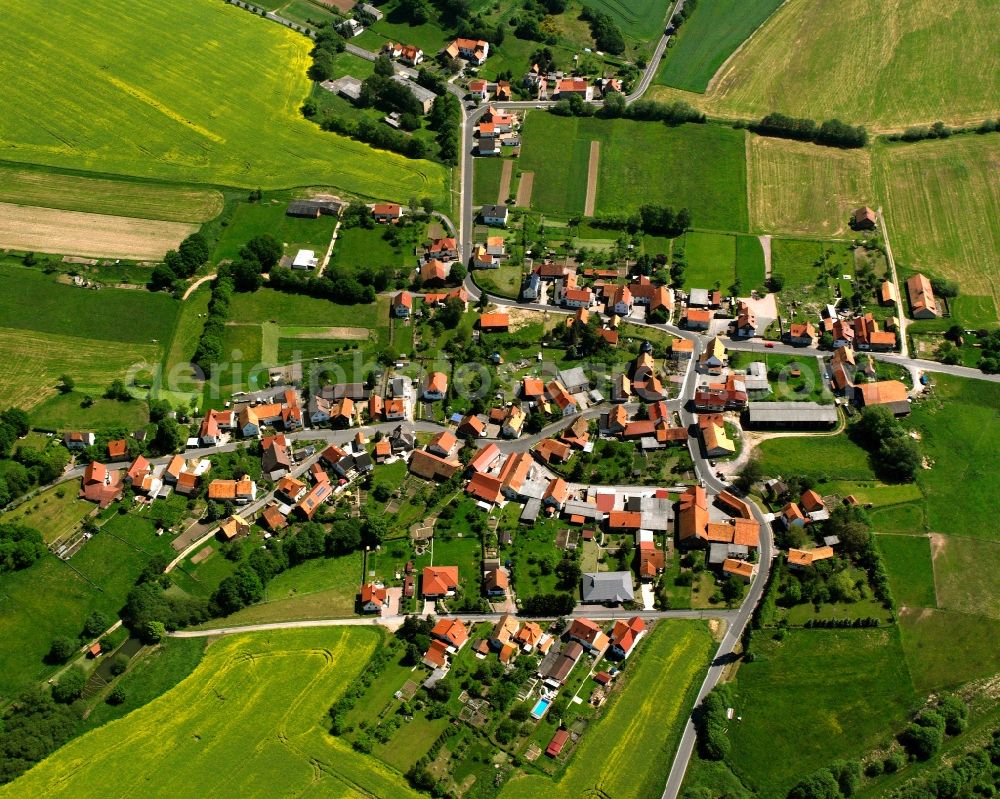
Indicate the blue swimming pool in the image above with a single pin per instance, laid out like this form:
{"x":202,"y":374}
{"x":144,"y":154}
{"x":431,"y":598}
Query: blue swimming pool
{"x":540,"y":707}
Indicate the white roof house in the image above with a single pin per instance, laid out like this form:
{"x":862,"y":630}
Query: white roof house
{"x":304,"y":259}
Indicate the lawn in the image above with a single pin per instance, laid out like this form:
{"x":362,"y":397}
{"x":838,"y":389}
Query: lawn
{"x":359,"y":246}
{"x":823,"y":457}
{"x":184,"y":342}
{"x":294,"y":233}
{"x":854,"y":679}
{"x":317,"y":589}
{"x":907,"y":558}
{"x":959,"y":435}
{"x":708,"y":38}
{"x":486,"y":180}
{"x":638,"y":19}
{"x":788,"y":66}
{"x":504,"y":281}
{"x":54,"y":512}
{"x":646,"y":716}
{"x":711,"y":259}
{"x":806,"y":386}
{"x":750,"y":270}
{"x":942,"y":207}
{"x":965,"y":581}
{"x":945,"y":649}
{"x":65,"y":411}
{"x":667,"y":162}
{"x":52,"y":597}
{"x":805,"y":189}
{"x":804,"y":264}
{"x":140,"y":113}
{"x":905,"y":518}
{"x":300,"y":310}
{"x":181,"y":744}
{"x":33,"y":186}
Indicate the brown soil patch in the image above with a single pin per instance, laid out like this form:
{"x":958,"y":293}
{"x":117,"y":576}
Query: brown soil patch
{"x":938,"y":544}
{"x":201,"y":555}
{"x":341,"y":5}
{"x":592,"y":165}
{"x":524,"y":189}
{"x":94,"y":235}
{"x":505,"y":175}
{"x":349,"y":333}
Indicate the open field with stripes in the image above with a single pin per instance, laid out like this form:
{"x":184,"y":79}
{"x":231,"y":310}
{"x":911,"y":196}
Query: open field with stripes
{"x":212,"y":97}
{"x":821,"y":60}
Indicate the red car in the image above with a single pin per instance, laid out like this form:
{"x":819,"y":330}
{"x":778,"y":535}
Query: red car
{"x":769,"y":344}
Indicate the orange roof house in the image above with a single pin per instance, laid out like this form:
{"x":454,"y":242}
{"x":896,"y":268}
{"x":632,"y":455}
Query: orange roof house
{"x":494,"y":322}
{"x":117,"y":449}
{"x":891,"y":393}
{"x":451,"y":631}
{"x":484,"y":487}
{"x":625,"y":635}
{"x":551,"y":451}
{"x":804,"y":558}
{"x":739,"y":568}
{"x":692,"y":514}
{"x":923,"y":304}
{"x":439,"y":581}
{"x":436,"y":655}
{"x":587,"y":633}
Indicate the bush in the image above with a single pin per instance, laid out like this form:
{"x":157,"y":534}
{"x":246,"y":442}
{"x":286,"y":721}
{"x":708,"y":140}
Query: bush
{"x":117,"y":695}
{"x":69,"y":687}
{"x":119,"y":665}
{"x":710,"y":723}
{"x":62,"y":649}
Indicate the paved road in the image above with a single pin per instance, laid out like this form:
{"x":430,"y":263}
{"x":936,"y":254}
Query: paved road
{"x":601,"y":613}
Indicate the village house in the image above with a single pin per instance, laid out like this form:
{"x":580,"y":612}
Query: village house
{"x":452,"y":631}
{"x":485,"y":459}
{"x":239,"y":491}
{"x":696,"y":318}
{"x":624,"y":637}
{"x":433,"y":272}
{"x":479,"y":89}
{"x":863,"y":219}
{"x":746,"y":321}
{"x":801,"y":334}
{"x":76,"y":441}
{"x":497,"y":322}
{"x":891,"y":394}
{"x":475,"y":51}
{"x":607,"y":588}
{"x":387,"y":213}
{"x":716,"y":442}
{"x":805,"y":558}
{"x":562,"y":399}
{"x":314,"y":498}
{"x":739,"y":568}
{"x":373,"y":598}
{"x":439,"y":581}
{"x":100,"y":484}
{"x":495,"y":215}
{"x":588,"y":634}
{"x":923,"y":304}
{"x":432,"y":467}
{"x":714,"y":359}
{"x":887,"y":293}
{"x":495,"y":582}
{"x":234,"y":527}
{"x":578,"y":86}
{"x":436,"y":386}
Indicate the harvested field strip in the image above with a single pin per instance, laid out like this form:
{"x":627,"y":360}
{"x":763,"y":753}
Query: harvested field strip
{"x":524,"y":187}
{"x":93,"y":235}
{"x":942,"y":207}
{"x":592,"y":167}
{"x":106,"y":196}
{"x":33,"y":363}
{"x":965,"y":576}
{"x":801,"y":188}
{"x":897,"y":45}
{"x":348,"y":333}
{"x":505,"y":175}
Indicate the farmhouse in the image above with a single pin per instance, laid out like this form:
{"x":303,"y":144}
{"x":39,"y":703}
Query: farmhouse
{"x":373,"y":598}
{"x":923,"y":305}
{"x":494,"y":322}
{"x":78,"y":441}
{"x":313,"y":209}
{"x":739,"y":568}
{"x":436,"y":386}
{"x":578,"y":86}
{"x":100,"y":485}
{"x":589,"y":634}
{"x":495,"y":215}
{"x":805,"y":558}
{"x":387,"y":212}
{"x":425,"y":97}
{"x":479,"y":89}
{"x":863,"y":219}
{"x":890,"y":393}
{"x":239,"y":491}
{"x":887,"y":293}
{"x":234,"y":527}
{"x":434,"y":272}
{"x":431,"y":467}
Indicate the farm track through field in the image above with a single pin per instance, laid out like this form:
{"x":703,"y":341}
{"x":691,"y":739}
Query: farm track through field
{"x":507,"y":170}
{"x":524,"y":189}
{"x":593,"y":165}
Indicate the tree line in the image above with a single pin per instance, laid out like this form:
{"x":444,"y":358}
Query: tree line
{"x":832,"y":132}
{"x":180,"y":264}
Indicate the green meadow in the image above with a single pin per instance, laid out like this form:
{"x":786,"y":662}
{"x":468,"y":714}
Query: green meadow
{"x":212,"y":97}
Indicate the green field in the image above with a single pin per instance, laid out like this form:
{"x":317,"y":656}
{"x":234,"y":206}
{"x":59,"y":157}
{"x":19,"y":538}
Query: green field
{"x":316,"y":589}
{"x":270,"y":692}
{"x":911,"y":574}
{"x":898,"y":47}
{"x":805,"y":189}
{"x":106,"y":196}
{"x":667,"y":162}
{"x":942,"y":207}
{"x":215,"y":100}
{"x":959,"y":435}
{"x":823,"y":457}
{"x":52,"y":597}
{"x":750,"y":269}
{"x":800,"y":695}
{"x":66,"y":411}
{"x":638,"y":19}
{"x":711,"y":259}
{"x":796,"y":261}
{"x":644,"y":717}
{"x":358,"y":246}
{"x":293,"y":232}
{"x":48,"y":329}
{"x":708,"y":38}
{"x":486,"y":180}
{"x":965,"y":580}
{"x":53,"y":512}
{"x":945,"y":649}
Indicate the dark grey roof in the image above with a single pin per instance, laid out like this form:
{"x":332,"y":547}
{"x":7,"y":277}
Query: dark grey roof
{"x":494,"y":210}
{"x":764,"y":412}
{"x":607,"y":587}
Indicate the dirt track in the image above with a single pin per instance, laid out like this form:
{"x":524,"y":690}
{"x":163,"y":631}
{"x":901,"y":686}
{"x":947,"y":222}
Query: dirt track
{"x":505,"y":174}
{"x":94,"y":235}
{"x":592,"y":167}
{"x":524,"y":189}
